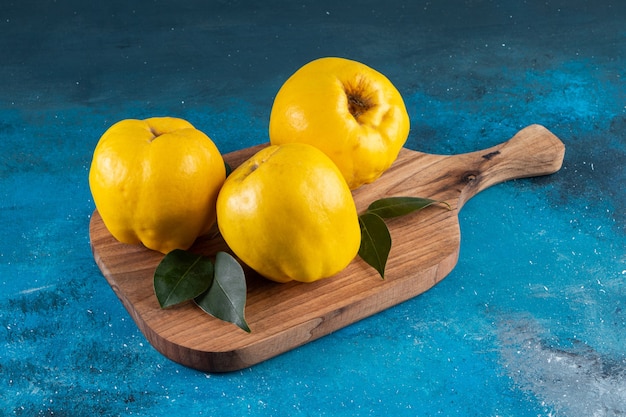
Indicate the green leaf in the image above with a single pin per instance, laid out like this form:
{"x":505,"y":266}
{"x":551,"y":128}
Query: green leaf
{"x":399,"y":206}
{"x":181,"y":276}
{"x":226,"y":297}
{"x":228,"y":169}
{"x":375,"y":241}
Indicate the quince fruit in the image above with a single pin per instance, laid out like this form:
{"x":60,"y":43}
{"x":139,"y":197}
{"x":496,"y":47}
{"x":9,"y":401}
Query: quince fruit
{"x":350,"y":111}
{"x":156,"y":182}
{"x":288,"y":213}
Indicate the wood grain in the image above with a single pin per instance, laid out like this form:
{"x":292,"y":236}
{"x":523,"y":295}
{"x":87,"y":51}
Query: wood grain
{"x":284,"y":316}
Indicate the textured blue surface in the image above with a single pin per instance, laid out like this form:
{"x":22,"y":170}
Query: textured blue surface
{"x":532,"y":320}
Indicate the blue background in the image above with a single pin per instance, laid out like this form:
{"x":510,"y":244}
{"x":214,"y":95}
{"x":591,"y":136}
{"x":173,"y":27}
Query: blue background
{"x":531,"y":322}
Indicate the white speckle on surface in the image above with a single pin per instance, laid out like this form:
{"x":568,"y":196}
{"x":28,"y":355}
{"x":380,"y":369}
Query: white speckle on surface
{"x":573,"y":381}
{"x":35,"y":289}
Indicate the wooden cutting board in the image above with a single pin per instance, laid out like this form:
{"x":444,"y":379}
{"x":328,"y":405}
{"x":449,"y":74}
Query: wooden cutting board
{"x":283,"y":316}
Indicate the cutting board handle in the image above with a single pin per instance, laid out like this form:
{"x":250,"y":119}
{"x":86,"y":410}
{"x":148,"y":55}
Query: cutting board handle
{"x":533,"y":151}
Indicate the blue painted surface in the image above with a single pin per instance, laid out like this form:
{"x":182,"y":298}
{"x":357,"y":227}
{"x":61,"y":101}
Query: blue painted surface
{"x":531,"y":322}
